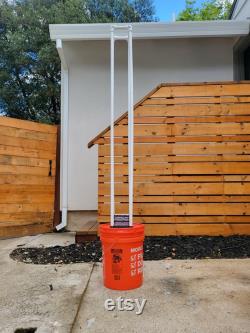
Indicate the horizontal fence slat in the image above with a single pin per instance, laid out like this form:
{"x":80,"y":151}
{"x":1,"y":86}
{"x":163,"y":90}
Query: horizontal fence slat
{"x":183,"y":219}
{"x":27,"y":197}
{"x":13,"y":179}
{"x":177,"y":198}
{"x":197,"y":229}
{"x":34,"y":228}
{"x":28,"y":125}
{"x":203,"y":90}
{"x":26,"y":207}
{"x":25,"y":217}
{"x":237,"y":109}
{"x":27,"y":134}
{"x":180,"y":209}
{"x":27,"y":143}
{"x":205,"y":168}
{"x":179,"y":189}
{"x":26,"y":152}
{"x":24,"y":161}
{"x":212,"y":100}
{"x":177,"y":158}
{"x":173,"y":139}
{"x":179,"y":149}
{"x":176,"y":179}
{"x":184,"y":129}
{"x":26,"y":170}
{"x":173,"y":120}
{"x":29,"y":188}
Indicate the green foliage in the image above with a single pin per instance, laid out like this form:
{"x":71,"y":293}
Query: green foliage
{"x":29,"y":64}
{"x":209,"y":10}
{"x":120,"y":10}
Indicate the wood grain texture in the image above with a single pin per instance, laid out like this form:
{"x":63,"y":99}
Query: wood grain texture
{"x":196,"y":208}
{"x":186,"y":129}
{"x":186,"y":148}
{"x":150,"y":189}
{"x":203,"y":90}
{"x":192,"y":161}
{"x":189,"y":168}
{"x":184,"y":219}
{"x":29,"y":125}
{"x":27,"y":177}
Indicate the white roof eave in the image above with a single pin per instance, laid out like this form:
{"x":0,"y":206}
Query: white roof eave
{"x":101,"y":31}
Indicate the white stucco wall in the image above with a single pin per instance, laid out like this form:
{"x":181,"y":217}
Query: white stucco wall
{"x":241,"y":10}
{"x":155,"y":61}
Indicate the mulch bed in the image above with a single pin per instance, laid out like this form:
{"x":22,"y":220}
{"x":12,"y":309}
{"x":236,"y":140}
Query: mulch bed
{"x":155,"y":248}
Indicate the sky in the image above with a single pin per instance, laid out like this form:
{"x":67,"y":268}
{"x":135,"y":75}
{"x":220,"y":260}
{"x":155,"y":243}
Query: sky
{"x":166,"y":8}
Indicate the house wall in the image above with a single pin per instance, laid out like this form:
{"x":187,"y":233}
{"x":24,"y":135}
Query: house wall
{"x":241,"y":10}
{"x":155,"y":61}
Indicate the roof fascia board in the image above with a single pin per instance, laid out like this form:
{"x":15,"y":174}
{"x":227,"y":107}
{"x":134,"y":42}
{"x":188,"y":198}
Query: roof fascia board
{"x":227,"y":28}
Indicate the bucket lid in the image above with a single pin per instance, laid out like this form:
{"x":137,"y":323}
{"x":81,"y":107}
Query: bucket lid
{"x":107,"y":231}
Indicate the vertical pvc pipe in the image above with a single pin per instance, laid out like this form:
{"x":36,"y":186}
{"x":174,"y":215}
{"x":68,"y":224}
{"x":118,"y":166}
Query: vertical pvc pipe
{"x":112,"y":178}
{"x":130,"y":121}
{"x":130,"y":125}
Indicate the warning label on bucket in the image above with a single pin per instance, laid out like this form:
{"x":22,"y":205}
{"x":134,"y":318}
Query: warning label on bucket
{"x":116,"y":263}
{"x":121,"y":220}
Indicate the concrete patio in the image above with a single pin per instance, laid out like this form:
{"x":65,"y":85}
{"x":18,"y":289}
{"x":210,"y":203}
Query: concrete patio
{"x":182,"y":295}
{"x":45,"y":297}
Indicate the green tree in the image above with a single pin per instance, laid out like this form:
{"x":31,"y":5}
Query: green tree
{"x":209,"y":10}
{"x":121,"y":11}
{"x":29,"y":64}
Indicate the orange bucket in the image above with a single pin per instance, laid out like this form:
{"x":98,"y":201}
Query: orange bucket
{"x":122,"y":252}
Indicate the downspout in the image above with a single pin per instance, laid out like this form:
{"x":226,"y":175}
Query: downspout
{"x":64,"y":135}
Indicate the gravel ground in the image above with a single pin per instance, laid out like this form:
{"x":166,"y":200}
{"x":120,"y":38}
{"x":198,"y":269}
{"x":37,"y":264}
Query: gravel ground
{"x":155,"y":248}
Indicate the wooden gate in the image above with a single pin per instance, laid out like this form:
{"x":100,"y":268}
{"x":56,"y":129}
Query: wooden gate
{"x":27,"y":177}
{"x":192,"y":160}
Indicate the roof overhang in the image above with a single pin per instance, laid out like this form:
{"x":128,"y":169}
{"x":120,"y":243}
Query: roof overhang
{"x":152,"y":30}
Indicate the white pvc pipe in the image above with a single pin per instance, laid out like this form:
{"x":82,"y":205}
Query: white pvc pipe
{"x":128,"y":28}
{"x":112,"y":119}
{"x":130,"y":126}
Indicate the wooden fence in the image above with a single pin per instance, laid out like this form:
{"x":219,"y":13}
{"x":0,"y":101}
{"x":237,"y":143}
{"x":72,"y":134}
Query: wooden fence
{"x":192,"y":161}
{"x":27,"y":177}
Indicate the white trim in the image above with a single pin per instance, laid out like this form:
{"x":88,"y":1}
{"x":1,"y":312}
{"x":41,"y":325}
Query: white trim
{"x":64,"y":135}
{"x":101,"y":31}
